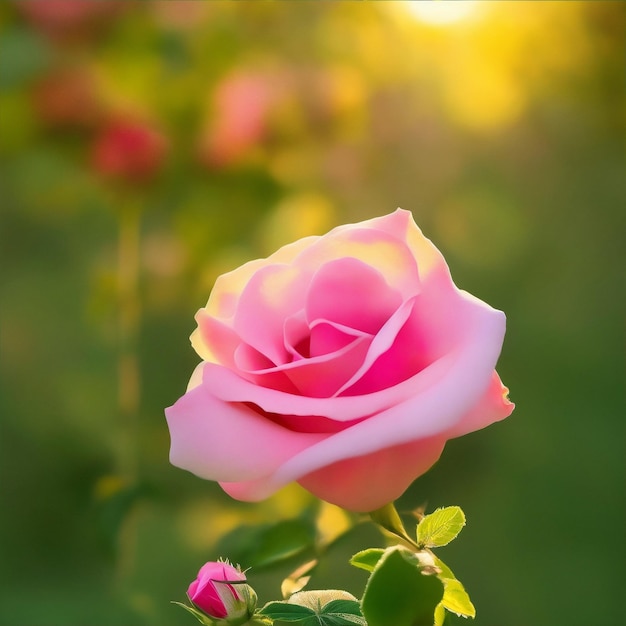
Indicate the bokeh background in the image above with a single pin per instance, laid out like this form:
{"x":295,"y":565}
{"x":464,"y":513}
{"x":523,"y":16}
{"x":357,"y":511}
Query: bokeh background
{"x":149,"y":146}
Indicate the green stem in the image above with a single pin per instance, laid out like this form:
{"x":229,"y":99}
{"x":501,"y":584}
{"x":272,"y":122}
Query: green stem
{"x":129,"y":382}
{"x":129,"y":314}
{"x":387,"y":517}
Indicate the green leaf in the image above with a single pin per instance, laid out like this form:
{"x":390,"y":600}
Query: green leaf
{"x":282,"y":541}
{"x":440,"y":615}
{"x":268,"y":545}
{"x":343,"y":612}
{"x":25,"y":54}
{"x":286,"y":612}
{"x":446,"y":572}
{"x":201,"y":617}
{"x":337,"y":619}
{"x":456,"y":599}
{"x":440,"y":527}
{"x":333,"y":613}
{"x":367,"y":559}
{"x":399,"y":593}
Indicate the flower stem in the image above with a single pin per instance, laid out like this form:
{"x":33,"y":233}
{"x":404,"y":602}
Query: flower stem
{"x":387,"y":517}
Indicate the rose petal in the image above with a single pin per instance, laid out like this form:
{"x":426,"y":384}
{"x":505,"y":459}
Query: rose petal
{"x":376,"y":249}
{"x":400,"y":226}
{"x":258,"y":369}
{"x":303,"y":340}
{"x":381,"y":344}
{"x":350,"y":292}
{"x":317,"y":377}
{"x":228,"y":287}
{"x":232,"y":442}
{"x":368,"y":482}
{"x":295,"y":333}
{"x":399,"y":359}
{"x":358,"y":484}
{"x":274,"y":293}
{"x":492,"y":407}
{"x":213,"y":340}
{"x":328,"y":337}
{"x":229,"y":386}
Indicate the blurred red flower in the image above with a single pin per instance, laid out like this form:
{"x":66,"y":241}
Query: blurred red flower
{"x":129,"y":150}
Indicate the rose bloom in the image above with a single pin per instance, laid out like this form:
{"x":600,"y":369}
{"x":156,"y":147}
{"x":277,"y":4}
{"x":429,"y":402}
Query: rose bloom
{"x":215,"y":597}
{"x":343,"y":362}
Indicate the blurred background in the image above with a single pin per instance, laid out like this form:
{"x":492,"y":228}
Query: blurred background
{"x":148,"y":147}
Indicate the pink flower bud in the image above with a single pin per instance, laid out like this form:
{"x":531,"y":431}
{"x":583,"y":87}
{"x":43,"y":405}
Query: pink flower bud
{"x":212,"y":592}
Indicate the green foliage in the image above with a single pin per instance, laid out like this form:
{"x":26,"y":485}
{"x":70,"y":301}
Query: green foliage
{"x":268,"y":545}
{"x":455,"y":598}
{"x":367,"y":559}
{"x":201,"y":617}
{"x":24,"y":55}
{"x":387,"y":517}
{"x":333,"y":613}
{"x":440,"y":527}
{"x":436,"y":529}
{"x":400,"y":592}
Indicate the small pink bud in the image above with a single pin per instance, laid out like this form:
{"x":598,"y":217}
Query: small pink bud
{"x":212,"y":593}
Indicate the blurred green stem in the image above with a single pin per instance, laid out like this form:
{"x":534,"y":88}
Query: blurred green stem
{"x":129,"y":382}
{"x":129,"y":312}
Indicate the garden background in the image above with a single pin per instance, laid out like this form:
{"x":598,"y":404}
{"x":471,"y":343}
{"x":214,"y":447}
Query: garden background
{"x":149,"y":146}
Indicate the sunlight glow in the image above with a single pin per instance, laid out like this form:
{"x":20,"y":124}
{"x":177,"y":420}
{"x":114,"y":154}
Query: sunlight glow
{"x":440,"y":12}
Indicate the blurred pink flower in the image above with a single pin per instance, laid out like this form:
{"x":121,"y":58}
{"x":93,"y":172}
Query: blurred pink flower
{"x":129,"y":150}
{"x":241,"y":104}
{"x":344,"y":362}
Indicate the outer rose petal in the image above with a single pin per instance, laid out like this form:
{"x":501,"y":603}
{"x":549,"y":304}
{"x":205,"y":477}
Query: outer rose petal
{"x":386,"y":253}
{"x":228,"y":287}
{"x":492,"y":407}
{"x":368,"y":482}
{"x":222,"y":441}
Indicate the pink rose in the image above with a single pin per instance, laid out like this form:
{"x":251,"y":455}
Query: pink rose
{"x":343,"y":362}
{"x":217,"y":598}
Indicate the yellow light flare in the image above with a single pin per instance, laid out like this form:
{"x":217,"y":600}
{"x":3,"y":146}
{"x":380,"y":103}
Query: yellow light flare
{"x":440,"y":12}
